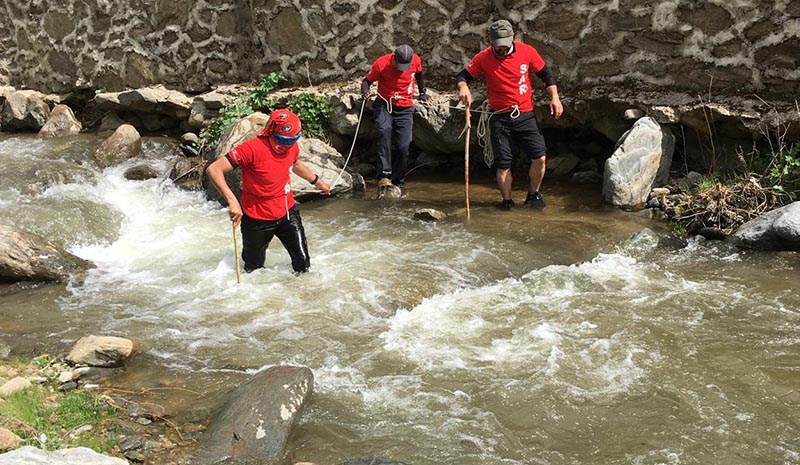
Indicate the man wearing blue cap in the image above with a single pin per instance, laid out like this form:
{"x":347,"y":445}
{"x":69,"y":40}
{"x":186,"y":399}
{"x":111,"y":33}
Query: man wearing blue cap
{"x":393,"y":110}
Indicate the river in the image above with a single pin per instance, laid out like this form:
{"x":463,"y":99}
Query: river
{"x":521,"y":337}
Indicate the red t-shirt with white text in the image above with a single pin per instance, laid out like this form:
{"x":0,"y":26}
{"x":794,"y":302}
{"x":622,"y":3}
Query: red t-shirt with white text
{"x":508,"y":78}
{"x":266,"y":185}
{"x":393,"y":82}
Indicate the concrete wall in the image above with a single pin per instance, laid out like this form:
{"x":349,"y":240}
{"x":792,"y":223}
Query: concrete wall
{"x":741,"y":46}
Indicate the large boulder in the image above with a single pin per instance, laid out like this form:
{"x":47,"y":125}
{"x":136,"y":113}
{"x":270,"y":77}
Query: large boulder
{"x":29,"y":455}
{"x":62,"y":122}
{"x":101,"y":351}
{"x":325,"y":161}
{"x":640,"y":162}
{"x":125,"y":143}
{"x":254,"y":424}
{"x":778,"y":229}
{"x":27,"y":257}
{"x":321,"y":158}
{"x":24,"y":110}
{"x":156,"y":99}
{"x":437,"y":126}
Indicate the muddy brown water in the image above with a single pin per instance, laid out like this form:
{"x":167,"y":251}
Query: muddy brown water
{"x":519,"y":337}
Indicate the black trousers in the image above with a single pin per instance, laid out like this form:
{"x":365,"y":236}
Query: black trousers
{"x":257,"y":234}
{"x":396,"y":125}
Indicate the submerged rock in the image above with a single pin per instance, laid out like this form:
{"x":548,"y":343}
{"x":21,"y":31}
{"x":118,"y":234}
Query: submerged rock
{"x":29,"y":455}
{"x":28,"y":257}
{"x":429,"y":214}
{"x":254,"y":424}
{"x":641,"y":243}
{"x":778,"y":229}
{"x":141,"y":173}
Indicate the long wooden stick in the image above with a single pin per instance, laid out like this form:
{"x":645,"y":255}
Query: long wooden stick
{"x":236,"y":254}
{"x":466,"y":162}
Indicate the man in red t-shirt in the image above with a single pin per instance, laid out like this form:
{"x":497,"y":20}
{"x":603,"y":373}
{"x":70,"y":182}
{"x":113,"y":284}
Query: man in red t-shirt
{"x":507,"y":67}
{"x":393,"y":110}
{"x":268,"y":207}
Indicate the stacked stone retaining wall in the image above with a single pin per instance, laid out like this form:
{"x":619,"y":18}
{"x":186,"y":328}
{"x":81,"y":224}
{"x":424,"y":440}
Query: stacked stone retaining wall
{"x":733,"y":47}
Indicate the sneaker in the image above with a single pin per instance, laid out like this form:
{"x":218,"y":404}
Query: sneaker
{"x":506,"y":204}
{"x":384,"y":182}
{"x":534,"y":200}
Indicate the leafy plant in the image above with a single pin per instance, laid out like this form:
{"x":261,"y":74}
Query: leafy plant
{"x":244,"y":106}
{"x":784,"y":172}
{"x":227,"y":116}
{"x":258,"y":98}
{"x":314,"y":112}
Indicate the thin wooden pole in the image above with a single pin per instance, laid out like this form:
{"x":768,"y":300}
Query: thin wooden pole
{"x":236,"y":254}
{"x":466,"y":162}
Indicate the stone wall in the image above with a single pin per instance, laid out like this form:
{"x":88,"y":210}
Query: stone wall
{"x":735,"y":46}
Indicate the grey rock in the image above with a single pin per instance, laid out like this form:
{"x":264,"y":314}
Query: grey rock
{"x":101,"y":351}
{"x":561,"y":164}
{"x":633,"y":114}
{"x":125,"y":143}
{"x":429,"y":214}
{"x":587,"y":177}
{"x":110,"y":123}
{"x":778,"y":229}
{"x":254,"y":424}
{"x":189,"y":138}
{"x":141,"y":173}
{"x":640,"y":162}
{"x":62,"y":122}
{"x":29,"y":455}
{"x":24,"y":110}
{"x":68,"y":386}
{"x":27,"y":257}
{"x":5,"y":351}
{"x":147,"y":100}
{"x":14,"y":386}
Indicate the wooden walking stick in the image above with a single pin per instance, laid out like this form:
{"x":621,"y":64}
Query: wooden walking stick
{"x":466,"y":162}
{"x":236,"y":254}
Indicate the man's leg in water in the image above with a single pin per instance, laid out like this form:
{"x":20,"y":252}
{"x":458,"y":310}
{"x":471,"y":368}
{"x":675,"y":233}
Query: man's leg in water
{"x":256,"y":236}
{"x":293,"y":237}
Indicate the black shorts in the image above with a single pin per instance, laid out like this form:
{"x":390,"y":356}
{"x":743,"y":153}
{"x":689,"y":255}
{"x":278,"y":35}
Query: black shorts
{"x":521,"y":133}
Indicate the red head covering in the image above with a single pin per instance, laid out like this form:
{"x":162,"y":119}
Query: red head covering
{"x":282,"y":122}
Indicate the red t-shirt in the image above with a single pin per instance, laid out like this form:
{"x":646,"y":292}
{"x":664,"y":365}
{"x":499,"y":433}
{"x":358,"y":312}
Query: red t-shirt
{"x":392,"y":82}
{"x":266,"y":186}
{"x":508,"y":78}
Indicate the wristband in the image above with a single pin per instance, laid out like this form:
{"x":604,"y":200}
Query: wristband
{"x":316,"y":178}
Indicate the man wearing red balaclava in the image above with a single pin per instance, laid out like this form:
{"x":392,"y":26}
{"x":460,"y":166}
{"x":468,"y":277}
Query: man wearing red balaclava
{"x":268,"y":208}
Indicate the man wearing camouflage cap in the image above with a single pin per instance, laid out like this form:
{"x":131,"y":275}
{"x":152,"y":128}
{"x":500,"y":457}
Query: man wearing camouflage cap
{"x":507,"y":66}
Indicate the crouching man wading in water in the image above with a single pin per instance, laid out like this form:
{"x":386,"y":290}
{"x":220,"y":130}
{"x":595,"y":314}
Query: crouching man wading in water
{"x":268,"y":207}
{"x":507,"y":67}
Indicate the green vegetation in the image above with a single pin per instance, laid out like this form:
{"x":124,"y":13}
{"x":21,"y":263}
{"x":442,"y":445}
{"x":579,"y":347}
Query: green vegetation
{"x":42,"y":416}
{"x":313,"y":110}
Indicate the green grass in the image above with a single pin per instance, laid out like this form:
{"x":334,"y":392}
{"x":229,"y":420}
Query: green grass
{"x":36,"y":411}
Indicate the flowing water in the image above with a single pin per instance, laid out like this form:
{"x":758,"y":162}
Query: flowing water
{"x":517,"y":338}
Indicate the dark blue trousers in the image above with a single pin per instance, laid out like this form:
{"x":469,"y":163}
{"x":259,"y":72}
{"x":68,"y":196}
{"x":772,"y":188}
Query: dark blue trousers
{"x":395,"y":126}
